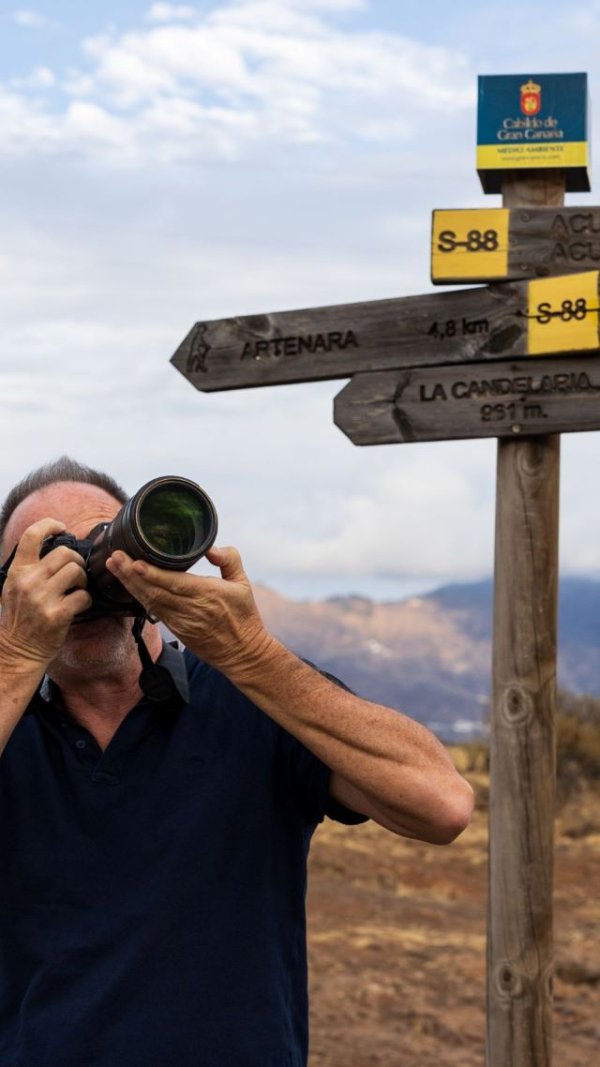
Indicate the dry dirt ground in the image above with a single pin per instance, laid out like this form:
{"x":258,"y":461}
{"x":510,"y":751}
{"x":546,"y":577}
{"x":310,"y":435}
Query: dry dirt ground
{"x":397,"y":944}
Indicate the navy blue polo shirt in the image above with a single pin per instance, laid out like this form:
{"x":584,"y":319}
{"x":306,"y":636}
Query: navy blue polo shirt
{"x":152,"y":896}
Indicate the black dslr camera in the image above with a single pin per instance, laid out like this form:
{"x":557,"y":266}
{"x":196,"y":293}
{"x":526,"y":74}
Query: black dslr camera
{"x":170,"y":522}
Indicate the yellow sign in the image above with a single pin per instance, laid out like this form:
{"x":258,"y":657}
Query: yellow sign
{"x":469,"y":244}
{"x":510,"y":156}
{"x":563,"y":314}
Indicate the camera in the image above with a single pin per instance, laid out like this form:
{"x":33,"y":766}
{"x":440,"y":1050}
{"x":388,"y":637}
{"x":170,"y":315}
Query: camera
{"x":170,"y":522}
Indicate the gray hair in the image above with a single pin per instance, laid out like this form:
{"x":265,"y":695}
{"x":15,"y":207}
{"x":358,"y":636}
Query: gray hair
{"x":60,"y":470}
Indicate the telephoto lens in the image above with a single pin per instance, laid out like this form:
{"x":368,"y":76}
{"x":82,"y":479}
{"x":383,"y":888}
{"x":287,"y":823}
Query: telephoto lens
{"x":170,"y":522}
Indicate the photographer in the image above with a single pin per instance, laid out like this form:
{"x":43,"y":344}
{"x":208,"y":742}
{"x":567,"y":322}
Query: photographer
{"x":153,"y":844}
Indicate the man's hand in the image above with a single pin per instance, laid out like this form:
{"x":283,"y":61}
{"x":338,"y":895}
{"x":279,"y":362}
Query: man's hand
{"x":41,"y":597}
{"x":217,"y":618}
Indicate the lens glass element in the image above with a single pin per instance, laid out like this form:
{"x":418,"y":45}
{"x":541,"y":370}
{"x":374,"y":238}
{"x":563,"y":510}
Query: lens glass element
{"x":173,"y":520}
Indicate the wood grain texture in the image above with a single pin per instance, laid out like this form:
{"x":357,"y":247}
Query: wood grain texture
{"x":444,"y":403}
{"x":337,"y":341}
{"x":466,"y":326}
{"x":541,"y":242}
{"x":522,"y":742}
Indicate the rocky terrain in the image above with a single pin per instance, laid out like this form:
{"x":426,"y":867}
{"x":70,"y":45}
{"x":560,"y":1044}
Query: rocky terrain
{"x":397,"y":944}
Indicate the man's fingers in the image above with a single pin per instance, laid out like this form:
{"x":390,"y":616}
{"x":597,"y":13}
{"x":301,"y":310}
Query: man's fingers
{"x":139,"y":576}
{"x":78,"y":601}
{"x":73,"y":604}
{"x":30,"y":544}
{"x":229,"y":562}
{"x":59,"y":558}
{"x":162,"y":592}
{"x":70,"y":576}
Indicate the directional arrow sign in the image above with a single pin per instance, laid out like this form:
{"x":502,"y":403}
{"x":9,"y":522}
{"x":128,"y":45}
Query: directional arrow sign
{"x":479,"y":400}
{"x":469,"y":325}
{"x":480,"y":246}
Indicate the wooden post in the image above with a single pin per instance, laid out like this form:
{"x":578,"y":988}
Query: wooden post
{"x":522,"y":744}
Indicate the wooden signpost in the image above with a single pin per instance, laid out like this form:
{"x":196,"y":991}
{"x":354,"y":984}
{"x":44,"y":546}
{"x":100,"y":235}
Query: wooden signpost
{"x":476,"y":400}
{"x":518,"y":360}
{"x":487,"y":245}
{"x":532,"y":318}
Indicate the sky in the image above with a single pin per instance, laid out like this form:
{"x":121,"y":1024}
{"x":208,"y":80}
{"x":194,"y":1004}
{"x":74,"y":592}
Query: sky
{"x":162,"y":164}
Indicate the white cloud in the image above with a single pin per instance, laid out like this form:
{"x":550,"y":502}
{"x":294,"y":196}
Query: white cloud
{"x":76,"y":83}
{"x":170,"y":12}
{"x":29,"y":20}
{"x":327,"y":6}
{"x":332,"y":5}
{"x":89,"y":125}
{"x":40,"y":78}
{"x":25,"y":126}
{"x":246,"y":76}
{"x":405,"y":514}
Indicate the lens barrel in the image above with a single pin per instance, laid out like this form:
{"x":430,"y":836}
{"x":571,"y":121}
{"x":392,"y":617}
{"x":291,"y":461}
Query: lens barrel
{"x":170,"y":522}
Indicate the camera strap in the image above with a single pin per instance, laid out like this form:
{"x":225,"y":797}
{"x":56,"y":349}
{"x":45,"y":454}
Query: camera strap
{"x":156,"y":682}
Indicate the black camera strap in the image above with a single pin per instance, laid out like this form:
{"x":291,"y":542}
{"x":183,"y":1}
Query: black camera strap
{"x":156,"y":682}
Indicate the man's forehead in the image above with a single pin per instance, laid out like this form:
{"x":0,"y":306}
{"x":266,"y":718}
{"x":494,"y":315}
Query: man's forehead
{"x":70,"y":502}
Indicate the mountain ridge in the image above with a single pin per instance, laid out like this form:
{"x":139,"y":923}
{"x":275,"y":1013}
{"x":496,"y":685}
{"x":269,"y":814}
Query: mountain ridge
{"x":430,"y":655}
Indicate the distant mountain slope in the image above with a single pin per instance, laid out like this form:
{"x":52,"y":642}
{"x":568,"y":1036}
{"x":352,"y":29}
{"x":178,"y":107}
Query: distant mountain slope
{"x":578,"y":626}
{"x":430,"y":655}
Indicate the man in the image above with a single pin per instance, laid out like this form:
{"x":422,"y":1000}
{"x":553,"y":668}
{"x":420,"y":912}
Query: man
{"x":153,"y":854}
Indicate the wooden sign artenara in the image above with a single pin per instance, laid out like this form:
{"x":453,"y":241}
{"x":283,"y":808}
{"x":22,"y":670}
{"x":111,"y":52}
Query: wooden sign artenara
{"x":497,"y":322}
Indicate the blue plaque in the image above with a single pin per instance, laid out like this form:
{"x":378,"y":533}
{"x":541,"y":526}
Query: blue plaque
{"x":532,"y":122}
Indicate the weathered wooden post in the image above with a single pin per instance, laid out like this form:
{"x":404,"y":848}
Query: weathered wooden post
{"x":522,"y":748}
{"x":519,"y":361}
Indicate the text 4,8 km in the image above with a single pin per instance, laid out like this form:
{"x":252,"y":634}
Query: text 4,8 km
{"x":456,"y":328}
